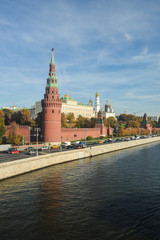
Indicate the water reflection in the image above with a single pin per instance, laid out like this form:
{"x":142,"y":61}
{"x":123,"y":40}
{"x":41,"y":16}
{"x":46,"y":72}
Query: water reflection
{"x":112,"y":196}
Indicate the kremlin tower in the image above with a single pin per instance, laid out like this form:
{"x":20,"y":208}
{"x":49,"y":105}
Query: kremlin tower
{"x":107,"y":107}
{"x":97,"y":103}
{"x":51,"y":108}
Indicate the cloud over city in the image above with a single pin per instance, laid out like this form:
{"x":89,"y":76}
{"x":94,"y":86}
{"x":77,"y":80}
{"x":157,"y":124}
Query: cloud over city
{"x":112,"y":46}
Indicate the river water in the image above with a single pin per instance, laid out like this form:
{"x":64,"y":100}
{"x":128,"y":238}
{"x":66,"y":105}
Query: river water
{"x":109,"y":197}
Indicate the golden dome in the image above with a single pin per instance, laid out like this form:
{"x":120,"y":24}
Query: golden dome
{"x":97,"y":94}
{"x":66,"y":95}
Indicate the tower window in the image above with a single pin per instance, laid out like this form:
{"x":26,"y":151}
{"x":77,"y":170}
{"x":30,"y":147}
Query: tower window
{"x":52,"y":111}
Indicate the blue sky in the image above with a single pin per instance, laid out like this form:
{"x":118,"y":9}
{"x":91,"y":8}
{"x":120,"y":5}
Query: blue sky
{"x":104,"y":45}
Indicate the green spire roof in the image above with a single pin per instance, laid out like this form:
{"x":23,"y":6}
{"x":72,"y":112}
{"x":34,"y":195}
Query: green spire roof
{"x":52,"y":57}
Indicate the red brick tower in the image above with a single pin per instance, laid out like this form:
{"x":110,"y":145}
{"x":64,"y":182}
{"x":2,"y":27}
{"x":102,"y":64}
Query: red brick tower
{"x":100,"y":124}
{"x":51,"y":108}
{"x":145,"y":124}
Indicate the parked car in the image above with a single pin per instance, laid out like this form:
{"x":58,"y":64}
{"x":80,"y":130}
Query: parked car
{"x":31,"y":152}
{"x":29,"y":148}
{"x":55,"y":147}
{"x":71,"y":146}
{"x":64,"y":146}
{"x":44,"y":148}
{"x":78,"y":146}
{"x":13,"y":151}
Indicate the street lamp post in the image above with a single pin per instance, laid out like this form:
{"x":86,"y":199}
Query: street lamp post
{"x":30,"y":135}
{"x":37,"y":134}
{"x":85,"y":136}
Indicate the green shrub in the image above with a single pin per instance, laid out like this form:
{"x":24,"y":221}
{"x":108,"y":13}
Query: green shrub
{"x":89,"y":138}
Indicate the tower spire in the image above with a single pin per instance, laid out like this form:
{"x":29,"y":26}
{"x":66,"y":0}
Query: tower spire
{"x":52,"y":57}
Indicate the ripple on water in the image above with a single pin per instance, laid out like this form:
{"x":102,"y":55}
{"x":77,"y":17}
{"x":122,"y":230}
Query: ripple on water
{"x":113,"y":196}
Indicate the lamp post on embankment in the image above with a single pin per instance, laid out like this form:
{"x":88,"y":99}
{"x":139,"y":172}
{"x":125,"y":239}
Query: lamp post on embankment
{"x":37,"y":134}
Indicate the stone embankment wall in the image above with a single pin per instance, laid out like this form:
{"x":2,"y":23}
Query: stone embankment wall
{"x":14,"y":168}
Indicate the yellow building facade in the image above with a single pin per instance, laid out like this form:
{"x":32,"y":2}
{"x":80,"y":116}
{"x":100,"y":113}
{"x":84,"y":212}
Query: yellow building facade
{"x":69,"y":105}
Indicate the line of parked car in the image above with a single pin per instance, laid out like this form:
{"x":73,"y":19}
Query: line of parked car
{"x":78,"y":145}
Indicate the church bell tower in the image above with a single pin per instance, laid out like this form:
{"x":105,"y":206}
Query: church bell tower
{"x":51,"y":108}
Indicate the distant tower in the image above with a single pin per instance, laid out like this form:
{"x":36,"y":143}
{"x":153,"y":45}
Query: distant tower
{"x":100,"y":124}
{"x":107,"y":107}
{"x":90,"y":103}
{"x":158,"y":123}
{"x":97,"y":103}
{"x":51,"y":108}
{"x":145,"y":123}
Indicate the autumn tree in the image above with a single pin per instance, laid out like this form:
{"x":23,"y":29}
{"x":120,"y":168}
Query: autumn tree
{"x":2,"y":125}
{"x":63,"y":120}
{"x":109,"y":122}
{"x":81,"y":122}
{"x":133,"y":123}
{"x":154,"y":131}
{"x":14,"y":138}
{"x":8,"y":114}
{"x":25,"y":118}
{"x":39,"y":120}
{"x":92,"y":122}
{"x":70,"y":118}
{"x":22,"y":117}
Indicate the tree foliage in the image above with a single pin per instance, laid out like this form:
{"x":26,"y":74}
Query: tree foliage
{"x":83,"y":122}
{"x":110,"y":122}
{"x":38,"y":120}
{"x":8,"y":114}
{"x":63,"y":120}
{"x":70,"y":118}
{"x":14,"y":138}
{"x":2,"y":125}
{"x":22,"y":117}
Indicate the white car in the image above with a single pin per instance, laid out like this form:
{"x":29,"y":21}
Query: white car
{"x":44,"y":147}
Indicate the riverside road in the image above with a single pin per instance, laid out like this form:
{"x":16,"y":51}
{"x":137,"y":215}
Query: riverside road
{"x":6,"y":157}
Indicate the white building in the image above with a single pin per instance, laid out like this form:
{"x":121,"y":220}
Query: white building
{"x":69,"y":105}
{"x":108,"y":111}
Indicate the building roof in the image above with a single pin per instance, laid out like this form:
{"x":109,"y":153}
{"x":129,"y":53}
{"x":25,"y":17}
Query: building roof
{"x":67,"y":98}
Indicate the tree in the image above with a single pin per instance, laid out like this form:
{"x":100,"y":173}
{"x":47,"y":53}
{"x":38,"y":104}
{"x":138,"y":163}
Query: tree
{"x":13,"y":137}
{"x":122,"y":132}
{"x":22,"y":117}
{"x":134,"y":124}
{"x":39,"y":119}
{"x":2,"y":125}
{"x":8,"y":113}
{"x":109,"y":122}
{"x":63,"y":120}
{"x":92,"y":122}
{"x":154,"y":131}
{"x":25,"y":118}
{"x":81,"y":122}
{"x":70,"y":117}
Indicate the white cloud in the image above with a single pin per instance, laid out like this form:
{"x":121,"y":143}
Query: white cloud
{"x":128,"y":36}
